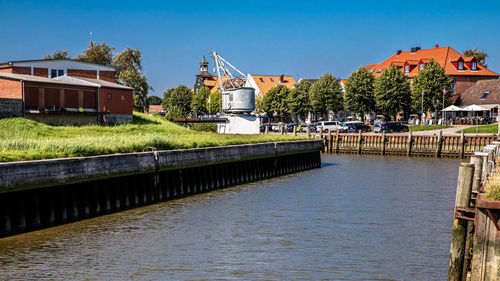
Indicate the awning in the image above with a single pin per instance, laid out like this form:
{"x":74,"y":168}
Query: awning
{"x":452,"y":108}
{"x":474,"y":107}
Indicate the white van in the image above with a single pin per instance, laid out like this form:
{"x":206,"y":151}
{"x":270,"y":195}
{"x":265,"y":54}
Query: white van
{"x":328,"y":126}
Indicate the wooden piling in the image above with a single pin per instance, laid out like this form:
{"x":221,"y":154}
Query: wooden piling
{"x":408,"y":144}
{"x":295,"y":130}
{"x":459,"y":229}
{"x":337,"y":142}
{"x":308,"y":130}
{"x":330,"y":141}
{"x":266,"y":130}
{"x":360,"y":135}
{"x":383,"y":143}
{"x":439,"y":143}
{"x":462,"y":144}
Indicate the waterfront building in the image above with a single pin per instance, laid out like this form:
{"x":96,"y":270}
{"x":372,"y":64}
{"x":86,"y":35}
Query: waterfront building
{"x":263,"y":83}
{"x":204,"y":78}
{"x":63,"y":91}
{"x":464,"y":71}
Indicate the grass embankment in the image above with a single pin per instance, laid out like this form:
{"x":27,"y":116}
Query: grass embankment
{"x":483,"y":129}
{"x":23,"y":139}
{"x":493,"y":186}
{"x":418,"y":128}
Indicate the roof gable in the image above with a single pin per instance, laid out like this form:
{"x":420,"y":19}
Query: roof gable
{"x":476,"y":93}
{"x":267,"y":82}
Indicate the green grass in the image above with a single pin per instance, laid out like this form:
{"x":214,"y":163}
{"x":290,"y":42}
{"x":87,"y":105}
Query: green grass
{"x":483,"y":129}
{"x":417,"y":128}
{"x":23,"y":139}
{"x":493,"y":186}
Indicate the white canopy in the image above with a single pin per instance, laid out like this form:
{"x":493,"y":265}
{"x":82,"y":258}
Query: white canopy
{"x":474,"y":107}
{"x":452,"y":108}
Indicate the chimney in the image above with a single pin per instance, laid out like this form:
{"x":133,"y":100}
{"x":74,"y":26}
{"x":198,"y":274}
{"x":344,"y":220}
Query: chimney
{"x":437,"y":46}
{"x":398,"y":52}
{"x":415,"y":49}
{"x":281,"y":78}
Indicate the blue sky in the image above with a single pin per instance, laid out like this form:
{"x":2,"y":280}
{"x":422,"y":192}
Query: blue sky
{"x":299,"y":38}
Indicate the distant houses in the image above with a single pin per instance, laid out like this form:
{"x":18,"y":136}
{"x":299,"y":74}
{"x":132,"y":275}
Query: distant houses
{"x":63,"y":91}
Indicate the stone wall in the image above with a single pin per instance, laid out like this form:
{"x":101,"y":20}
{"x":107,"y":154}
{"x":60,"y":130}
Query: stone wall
{"x":11,"y":107}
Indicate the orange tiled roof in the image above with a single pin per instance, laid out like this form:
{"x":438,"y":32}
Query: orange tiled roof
{"x":442,"y":55}
{"x":155,"y":108}
{"x":267,"y":82}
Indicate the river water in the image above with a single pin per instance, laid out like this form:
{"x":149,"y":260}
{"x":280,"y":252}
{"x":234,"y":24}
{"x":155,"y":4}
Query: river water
{"x":356,"y":218}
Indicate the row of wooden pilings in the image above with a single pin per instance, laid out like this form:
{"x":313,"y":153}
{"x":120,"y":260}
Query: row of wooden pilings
{"x":469,"y":243}
{"x":29,"y":210}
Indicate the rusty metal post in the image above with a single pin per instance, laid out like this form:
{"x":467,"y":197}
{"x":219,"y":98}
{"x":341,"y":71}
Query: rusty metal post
{"x":459,"y":229}
{"x":409,"y":143}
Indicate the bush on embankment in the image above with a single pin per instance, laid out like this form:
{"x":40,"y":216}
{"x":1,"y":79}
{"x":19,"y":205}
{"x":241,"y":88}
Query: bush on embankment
{"x":23,"y":139}
{"x":493,"y":186}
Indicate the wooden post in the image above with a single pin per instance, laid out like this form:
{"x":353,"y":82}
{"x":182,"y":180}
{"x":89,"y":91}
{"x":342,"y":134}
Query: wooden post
{"x":282,"y":129}
{"x":266,"y":131}
{"x":409,"y":143}
{"x":330,"y":141}
{"x":359,"y":142}
{"x":308,"y":130}
{"x":462,"y":145}
{"x":478,"y":168}
{"x":320,"y":128}
{"x":439,"y":143}
{"x":459,"y":229}
{"x":383,"y":142}
{"x":295,"y":130}
{"x":337,"y":143}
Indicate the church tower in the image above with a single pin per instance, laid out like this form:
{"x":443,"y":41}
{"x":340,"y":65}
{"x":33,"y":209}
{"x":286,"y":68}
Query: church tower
{"x":202,"y":76}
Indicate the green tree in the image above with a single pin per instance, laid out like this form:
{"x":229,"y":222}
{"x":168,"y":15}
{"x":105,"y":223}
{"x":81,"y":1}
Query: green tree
{"x":99,"y":53}
{"x":431,"y":80}
{"x":392,"y":92}
{"x":154,"y":100}
{"x":177,"y":102}
{"x":213,"y":102}
{"x":275,"y":101}
{"x":199,"y":103}
{"x":480,"y":56}
{"x":59,"y":54}
{"x":129,"y":72}
{"x":326,"y":94}
{"x":299,"y":100}
{"x":359,"y":92}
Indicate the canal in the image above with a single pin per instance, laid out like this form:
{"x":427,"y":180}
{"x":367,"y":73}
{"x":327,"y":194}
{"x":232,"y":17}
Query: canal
{"x":357,"y":218}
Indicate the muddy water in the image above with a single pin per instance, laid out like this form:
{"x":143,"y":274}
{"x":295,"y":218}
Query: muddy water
{"x":357,"y":218}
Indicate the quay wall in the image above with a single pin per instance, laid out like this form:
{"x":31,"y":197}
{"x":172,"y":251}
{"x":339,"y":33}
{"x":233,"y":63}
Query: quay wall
{"x":45,"y":193}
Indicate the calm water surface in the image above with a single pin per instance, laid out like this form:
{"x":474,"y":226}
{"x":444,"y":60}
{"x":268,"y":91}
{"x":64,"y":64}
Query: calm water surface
{"x":357,"y":218}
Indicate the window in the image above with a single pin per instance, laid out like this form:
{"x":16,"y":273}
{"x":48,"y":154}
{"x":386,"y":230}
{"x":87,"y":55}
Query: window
{"x":56,"y":73}
{"x":380,"y":70}
{"x":407,"y":69}
{"x":473,"y":65}
{"x":453,"y":85}
{"x":485,"y":95}
{"x":271,"y":79}
{"x":261,"y":80}
{"x":421,"y":66}
{"x":460,"y":65}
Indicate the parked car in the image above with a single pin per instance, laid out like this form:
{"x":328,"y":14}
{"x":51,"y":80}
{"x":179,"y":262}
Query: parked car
{"x":353,"y":127}
{"x":390,"y":127}
{"x":289,"y":127}
{"x":275,"y":127}
{"x":328,"y":126}
{"x":301,"y":128}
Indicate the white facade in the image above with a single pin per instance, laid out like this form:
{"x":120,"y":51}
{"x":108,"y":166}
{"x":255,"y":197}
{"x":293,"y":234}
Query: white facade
{"x":251,"y":83}
{"x":243,"y":124}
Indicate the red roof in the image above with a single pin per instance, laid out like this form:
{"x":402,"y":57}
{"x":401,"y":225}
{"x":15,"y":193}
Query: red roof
{"x":442,"y":55}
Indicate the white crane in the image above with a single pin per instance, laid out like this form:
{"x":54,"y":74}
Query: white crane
{"x":228,"y":76}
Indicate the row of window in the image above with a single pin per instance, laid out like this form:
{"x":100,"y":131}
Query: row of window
{"x":473,"y":65}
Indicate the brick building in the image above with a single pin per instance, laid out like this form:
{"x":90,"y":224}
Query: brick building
{"x":465,"y":71}
{"x":63,"y":91}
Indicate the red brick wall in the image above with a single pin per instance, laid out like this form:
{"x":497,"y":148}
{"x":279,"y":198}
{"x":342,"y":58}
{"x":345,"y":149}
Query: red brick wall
{"x":6,"y":70}
{"x":21,"y":70}
{"x":465,"y":82}
{"x":82,"y":73}
{"x":115,"y":101}
{"x":42,"y":72}
{"x":107,"y":76}
{"x":11,"y":89}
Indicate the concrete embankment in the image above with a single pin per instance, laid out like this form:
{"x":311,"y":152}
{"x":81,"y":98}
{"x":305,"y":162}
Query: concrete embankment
{"x":44,"y":193}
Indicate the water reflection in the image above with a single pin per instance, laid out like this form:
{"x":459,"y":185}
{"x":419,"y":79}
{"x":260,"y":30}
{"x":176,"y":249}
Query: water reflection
{"x":357,"y":218}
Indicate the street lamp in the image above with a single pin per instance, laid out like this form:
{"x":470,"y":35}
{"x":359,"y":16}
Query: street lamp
{"x":435,"y":103}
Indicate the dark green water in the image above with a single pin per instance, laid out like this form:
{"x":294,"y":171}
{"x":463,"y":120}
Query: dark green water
{"x":357,"y":218}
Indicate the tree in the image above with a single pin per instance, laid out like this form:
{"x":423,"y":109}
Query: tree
{"x":129,"y":72}
{"x":392,"y":92}
{"x":359,"y":96}
{"x":298,"y":100}
{"x":480,"y":56}
{"x":213,"y":103}
{"x":326,"y":94}
{"x":431,"y":80}
{"x":59,"y":54}
{"x":154,"y":100}
{"x":275,"y":101}
{"x":199,"y":103}
{"x":177,"y":102}
{"x":99,"y":53}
